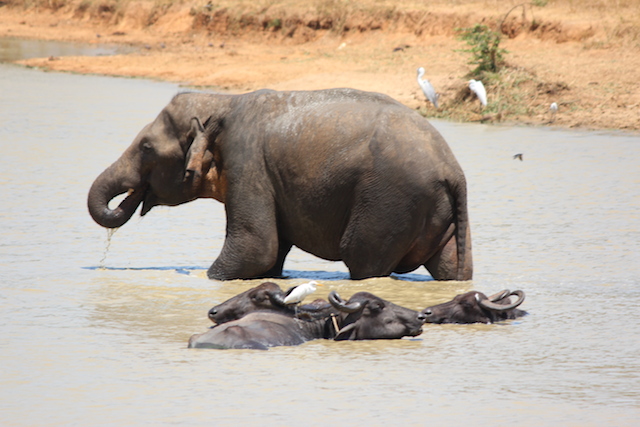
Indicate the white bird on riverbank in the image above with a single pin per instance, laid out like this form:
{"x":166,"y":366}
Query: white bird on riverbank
{"x":427,"y":88}
{"x":300,"y":292}
{"x":477,"y":87}
{"x":554,"y":109}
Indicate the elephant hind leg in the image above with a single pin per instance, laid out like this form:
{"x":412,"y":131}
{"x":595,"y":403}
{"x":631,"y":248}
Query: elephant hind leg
{"x":370,"y":249}
{"x":370,"y":260}
{"x":443,"y":265}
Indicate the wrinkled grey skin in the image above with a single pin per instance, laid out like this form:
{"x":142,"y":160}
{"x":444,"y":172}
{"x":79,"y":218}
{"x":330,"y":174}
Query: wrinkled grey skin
{"x":476,"y":307}
{"x":257,"y":331}
{"x":364,"y":317}
{"x":342,"y":174}
{"x":267,"y":296}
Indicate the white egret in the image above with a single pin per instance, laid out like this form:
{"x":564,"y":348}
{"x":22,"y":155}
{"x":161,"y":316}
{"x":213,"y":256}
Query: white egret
{"x":427,"y":88}
{"x":300,"y":292}
{"x":554,"y":109}
{"x":477,"y":87}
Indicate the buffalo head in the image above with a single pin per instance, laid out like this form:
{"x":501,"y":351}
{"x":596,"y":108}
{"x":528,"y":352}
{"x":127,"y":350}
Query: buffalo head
{"x":476,"y":307}
{"x":367,"y":316}
{"x":266,"y":296}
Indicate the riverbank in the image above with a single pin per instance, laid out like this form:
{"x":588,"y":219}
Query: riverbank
{"x":582,"y":54}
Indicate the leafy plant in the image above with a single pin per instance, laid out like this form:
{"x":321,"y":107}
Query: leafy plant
{"x":274,"y":24}
{"x":484,"y":46}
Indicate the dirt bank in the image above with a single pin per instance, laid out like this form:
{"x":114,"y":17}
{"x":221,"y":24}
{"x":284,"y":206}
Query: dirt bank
{"x":582,"y":54}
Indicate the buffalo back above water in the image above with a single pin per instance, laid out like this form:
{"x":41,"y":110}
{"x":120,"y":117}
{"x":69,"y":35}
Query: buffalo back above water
{"x":363,"y":317}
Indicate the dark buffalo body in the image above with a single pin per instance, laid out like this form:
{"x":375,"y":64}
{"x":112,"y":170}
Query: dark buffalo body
{"x":364,"y":317}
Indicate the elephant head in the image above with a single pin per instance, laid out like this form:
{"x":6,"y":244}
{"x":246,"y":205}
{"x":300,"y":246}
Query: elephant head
{"x":170,"y":162}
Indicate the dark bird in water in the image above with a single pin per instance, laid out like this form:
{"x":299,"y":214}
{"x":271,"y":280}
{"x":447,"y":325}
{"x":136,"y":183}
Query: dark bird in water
{"x":518,"y":156}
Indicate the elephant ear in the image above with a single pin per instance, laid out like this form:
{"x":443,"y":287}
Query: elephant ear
{"x":204,"y":135}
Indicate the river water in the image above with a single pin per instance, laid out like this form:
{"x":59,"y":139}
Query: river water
{"x":98,"y":336}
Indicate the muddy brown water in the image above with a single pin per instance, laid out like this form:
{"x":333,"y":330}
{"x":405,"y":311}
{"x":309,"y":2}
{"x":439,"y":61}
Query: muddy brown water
{"x":95,"y":337}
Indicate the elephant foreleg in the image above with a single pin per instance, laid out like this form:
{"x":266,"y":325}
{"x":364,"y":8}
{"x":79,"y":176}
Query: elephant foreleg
{"x":251,"y":248}
{"x":276,"y":270}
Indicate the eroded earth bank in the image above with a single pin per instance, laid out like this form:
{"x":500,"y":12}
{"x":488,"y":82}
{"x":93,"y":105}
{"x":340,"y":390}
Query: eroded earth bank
{"x":582,"y":54}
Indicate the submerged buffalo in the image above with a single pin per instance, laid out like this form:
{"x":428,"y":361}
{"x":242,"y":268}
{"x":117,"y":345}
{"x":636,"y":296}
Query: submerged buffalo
{"x":364,"y":317}
{"x":476,"y":307}
{"x":340,"y":173}
{"x":267,"y":296}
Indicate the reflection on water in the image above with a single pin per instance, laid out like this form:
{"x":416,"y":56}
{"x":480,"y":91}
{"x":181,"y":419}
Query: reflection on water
{"x":287,"y":274}
{"x":88,"y":340}
{"x":13,"y":49}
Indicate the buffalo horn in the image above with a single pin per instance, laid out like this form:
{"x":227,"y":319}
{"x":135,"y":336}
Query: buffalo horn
{"x":490,"y":305}
{"x":276,"y":298}
{"x":500,"y":295}
{"x":341,"y":305}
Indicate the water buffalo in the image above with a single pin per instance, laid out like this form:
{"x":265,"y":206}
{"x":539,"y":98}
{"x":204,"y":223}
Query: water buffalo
{"x":267,"y":296}
{"x":342,"y":174}
{"x":476,"y":307}
{"x":364,"y":317}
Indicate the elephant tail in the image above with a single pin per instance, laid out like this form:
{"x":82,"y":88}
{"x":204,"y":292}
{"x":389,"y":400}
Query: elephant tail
{"x":462,"y":229}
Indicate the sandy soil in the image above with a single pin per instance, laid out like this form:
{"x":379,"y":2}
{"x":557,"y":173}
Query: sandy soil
{"x":586,"y":60}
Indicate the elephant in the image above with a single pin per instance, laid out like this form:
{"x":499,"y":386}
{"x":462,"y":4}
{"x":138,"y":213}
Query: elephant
{"x":342,"y":174}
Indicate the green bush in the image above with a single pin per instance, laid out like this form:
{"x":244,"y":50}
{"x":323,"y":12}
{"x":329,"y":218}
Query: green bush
{"x":484,"y":46}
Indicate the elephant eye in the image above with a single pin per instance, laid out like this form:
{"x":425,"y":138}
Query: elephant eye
{"x":146,"y":145}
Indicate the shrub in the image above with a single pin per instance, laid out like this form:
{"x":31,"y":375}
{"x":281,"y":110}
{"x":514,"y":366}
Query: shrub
{"x":484,"y":46}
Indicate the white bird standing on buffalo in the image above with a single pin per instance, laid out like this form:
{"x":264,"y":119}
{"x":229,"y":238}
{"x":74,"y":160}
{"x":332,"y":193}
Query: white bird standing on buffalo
{"x":427,"y":88}
{"x":477,"y":87}
{"x":300,"y":292}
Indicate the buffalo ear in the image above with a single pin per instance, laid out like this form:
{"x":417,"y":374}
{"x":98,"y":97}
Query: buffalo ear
{"x":346,"y":333}
{"x":259,"y":296}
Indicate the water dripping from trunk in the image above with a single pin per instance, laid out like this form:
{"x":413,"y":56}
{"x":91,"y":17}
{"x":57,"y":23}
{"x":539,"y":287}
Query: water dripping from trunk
{"x":110,"y":233}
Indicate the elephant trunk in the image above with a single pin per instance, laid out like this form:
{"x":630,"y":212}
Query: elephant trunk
{"x":108,"y":185}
